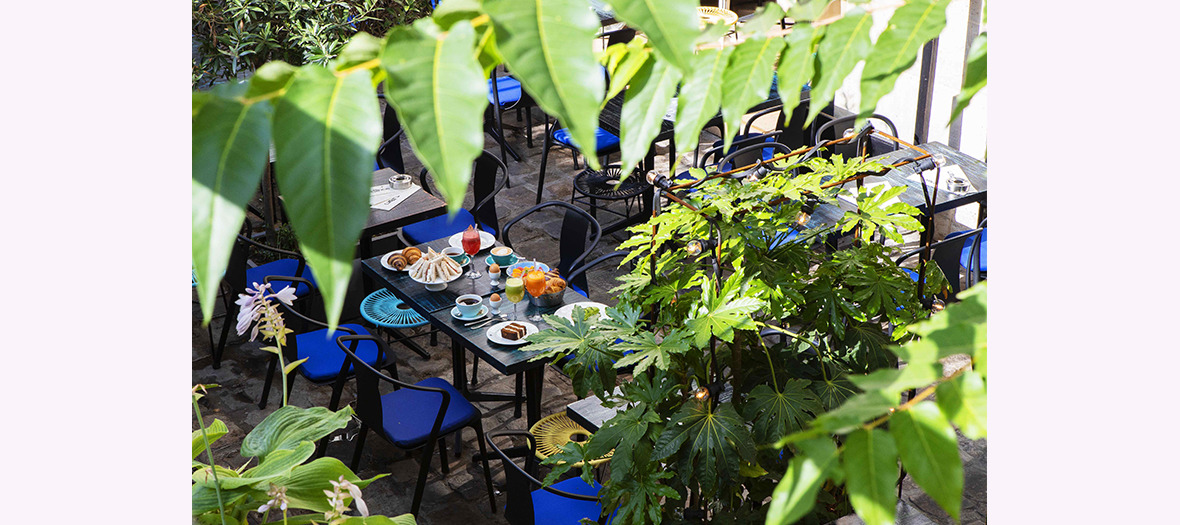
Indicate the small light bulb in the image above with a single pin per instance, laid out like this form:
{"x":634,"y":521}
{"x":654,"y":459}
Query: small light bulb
{"x":937,"y":305}
{"x":939,"y":159}
{"x":849,"y":132}
{"x":803,"y":218}
{"x":702,"y":393}
{"x":694,"y":248}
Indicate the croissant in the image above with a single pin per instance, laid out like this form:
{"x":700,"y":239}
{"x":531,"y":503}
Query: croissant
{"x":553,"y":274}
{"x":555,"y":285}
{"x":398,"y":262}
{"x":412,"y":254}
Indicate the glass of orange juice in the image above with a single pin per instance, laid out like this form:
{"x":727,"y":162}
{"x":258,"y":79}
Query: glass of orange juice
{"x":534,"y":282}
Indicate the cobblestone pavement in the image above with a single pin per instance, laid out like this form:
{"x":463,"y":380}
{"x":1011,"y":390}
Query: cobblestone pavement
{"x":460,"y":497}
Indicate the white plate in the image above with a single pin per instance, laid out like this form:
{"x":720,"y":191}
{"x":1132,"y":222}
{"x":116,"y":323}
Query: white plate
{"x":385,"y":261}
{"x":483,"y":311}
{"x":567,"y":312}
{"x":436,"y":286}
{"x":495,"y":337}
{"x":486,"y":240}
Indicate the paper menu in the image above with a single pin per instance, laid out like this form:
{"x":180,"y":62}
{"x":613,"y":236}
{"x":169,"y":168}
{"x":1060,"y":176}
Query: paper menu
{"x":384,"y":198}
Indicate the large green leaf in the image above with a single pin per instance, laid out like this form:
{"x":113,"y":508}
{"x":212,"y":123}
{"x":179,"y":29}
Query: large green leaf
{"x":910,"y":27}
{"x":438,"y":88}
{"x":644,"y":104}
{"x":648,"y":352}
{"x":716,"y":441}
{"x":571,"y":453}
{"x":327,"y":129}
{"x":592,"y":367}
{"x":231,"y":139}
{"x":975,"y":77}
{"x":670,"y":25}
{"x":894,"y":381}
{"x":959,"y":329}
{"x":204,"y":498}
{"x":746,"y":80}
{"x":797,"y":64}
{"x":276,"y":464}
{"x":795,"y":494}
{"x":964,"y":400}
{"x":621,"y":434}
{"x":857,"y":410}
{"x":845,"y":42}
{"x":870,"y":461}
{"x":214,"y":431}
{"x":721,"y":313}
{"x":306,"y":483}
{"x":930,"y":453}
{"x":289,"y":426}
{"x":700,"y":96}
{"x":642,"y":498}
{"x":776,"y":414}
{"x":548,"y":44}
{"x":622,"y":62}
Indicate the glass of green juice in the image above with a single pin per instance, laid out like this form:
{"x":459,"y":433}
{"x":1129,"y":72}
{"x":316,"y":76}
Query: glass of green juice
{"x":514,"y":291}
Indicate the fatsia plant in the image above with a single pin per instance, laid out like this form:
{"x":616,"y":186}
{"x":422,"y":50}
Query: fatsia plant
{"x":324,"y":120}
{"x":709,"y":398}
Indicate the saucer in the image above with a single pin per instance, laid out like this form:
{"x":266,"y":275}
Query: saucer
{"x":483,"y":311}
{"x":515,"y":259}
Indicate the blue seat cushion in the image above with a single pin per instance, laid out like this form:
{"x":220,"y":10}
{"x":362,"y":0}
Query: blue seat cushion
{"x":439,"y":227}
{"x":781,"y":238}
{"x":579,"y":290}
{"x":551,"y":509}
{"x":280,"y":267}
{"x":605,"y":138}
{"x":509,"y":89}
{"x":965,"y":258}
{"x":408,"y":415}
{"x":324,"y":357}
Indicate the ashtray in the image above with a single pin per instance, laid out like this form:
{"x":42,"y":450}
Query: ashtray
{"x":957,"y":184}
{"x":400,"y":182}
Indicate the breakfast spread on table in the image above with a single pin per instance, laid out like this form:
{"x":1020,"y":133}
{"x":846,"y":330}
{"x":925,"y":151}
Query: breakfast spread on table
{"x":433,"y":267}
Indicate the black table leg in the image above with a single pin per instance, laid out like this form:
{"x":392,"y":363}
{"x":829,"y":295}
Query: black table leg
{"x":534,"y":382}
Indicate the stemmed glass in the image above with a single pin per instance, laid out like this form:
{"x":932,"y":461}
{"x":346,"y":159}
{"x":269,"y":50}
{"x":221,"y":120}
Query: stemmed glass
{"x":514,"y":291}
{"x":534,"y":282}
{"x":471,"y":243}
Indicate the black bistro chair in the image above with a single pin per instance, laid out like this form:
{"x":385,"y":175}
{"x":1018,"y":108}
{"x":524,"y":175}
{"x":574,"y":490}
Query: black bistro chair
{"x":487,"y":180}
{"x":835,"y":129}
{"x":974,"y":256}
{"x":563,"y":503}
{"x":312,"y":340}
{"x":946,"y":254}
{"x":412,"y":416}
{"x":577,"y":227}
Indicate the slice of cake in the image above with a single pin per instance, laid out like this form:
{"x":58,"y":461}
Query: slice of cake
{"x":513,"y":332}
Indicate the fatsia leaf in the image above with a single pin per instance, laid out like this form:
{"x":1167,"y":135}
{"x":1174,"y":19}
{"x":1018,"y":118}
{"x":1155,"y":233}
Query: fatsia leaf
{"x":592,"y":367}
{"x":231,"y":140}
{"x":910,"y":27}
{"x":700,"y":96}
{"x":795,"y":494}
{"x":797,"y":64}
{"x":548,"y":44}
{"x":721,"y":314}
{"x":572,"y":453}
{"x":715,"y":438}
{"x":930,"y":453}
{"x":834,"y":391}
{"x":975,"y":77}
{"x":326,"y":132}
{"x":644,"y":104}
{"x":845,"y":42}
{"x":746,"y":80}
{"x":776,"y":414}
{"x":622,"y":434}
{"x":870,"y":461}
{"x":641,"y":498}
{"x":964,"y":400}
{"x":670,"y":25}
{"x":214,"y":431}
{"x":648,"y":352}
{"x":438,"y":88}
{"x":289,"y":426}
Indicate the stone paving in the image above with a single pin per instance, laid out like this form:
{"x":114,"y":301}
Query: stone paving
{"x":461,"y":496}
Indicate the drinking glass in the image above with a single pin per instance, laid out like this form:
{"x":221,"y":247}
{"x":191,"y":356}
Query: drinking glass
{"x":534,"y":282}
{"x":471,"y":247}
{"x":514,"y":292}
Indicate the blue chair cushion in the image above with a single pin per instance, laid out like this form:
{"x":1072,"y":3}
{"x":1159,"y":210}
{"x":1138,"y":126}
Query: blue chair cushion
{"x":965,"y":258}
{"x":324,"y":357}
{"x":780,"y":238}
{"x":280,"y":267}
{"x":551,"y":509}
{"x":439,"y":227}
{"x":605,"y":138}
{"x":408,"y":415}
{"x":509,"y":89}
{"x":579,"y":290}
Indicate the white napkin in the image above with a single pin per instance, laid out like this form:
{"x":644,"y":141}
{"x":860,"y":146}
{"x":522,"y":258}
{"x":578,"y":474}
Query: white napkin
{"x":384,"y":198}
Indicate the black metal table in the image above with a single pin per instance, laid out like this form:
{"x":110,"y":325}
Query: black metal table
{"x":436,"y":307}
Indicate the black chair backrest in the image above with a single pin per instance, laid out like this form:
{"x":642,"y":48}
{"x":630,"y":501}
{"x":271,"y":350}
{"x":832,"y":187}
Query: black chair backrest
{"x":235,"y":271}
{"x":834,"y":129}
{"x":576,"y":227}
{"x":296,"y":320}
{"x":519,"y":483}
{"x":389,"y":154}
{"x":752,"y":153}
{"x":713,"y":156}
{"x":946,"y":254}
{"x":974,"y":258}
{"x":578,"y":277}
{"x":489,"y":176}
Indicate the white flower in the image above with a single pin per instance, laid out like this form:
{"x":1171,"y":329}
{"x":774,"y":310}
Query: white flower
{"x":278,"y":497}
{"x":286,"y":295}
